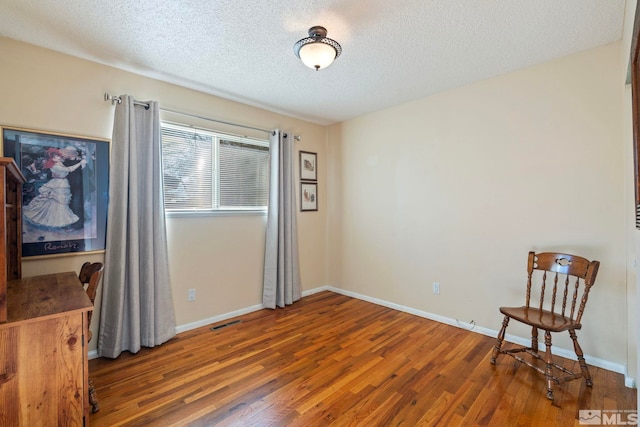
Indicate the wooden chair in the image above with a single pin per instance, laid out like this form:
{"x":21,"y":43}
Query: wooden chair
{"x":90,"y":275}
{"x":562,"y":300}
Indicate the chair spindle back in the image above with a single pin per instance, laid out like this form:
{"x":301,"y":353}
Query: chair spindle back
{"x":567,"y":273}
{"x":90,"y":275}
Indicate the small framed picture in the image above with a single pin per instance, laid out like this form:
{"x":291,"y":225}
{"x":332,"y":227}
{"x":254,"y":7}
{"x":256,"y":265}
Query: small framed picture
{"x":308,"y":166}
{"x":308,"y":196}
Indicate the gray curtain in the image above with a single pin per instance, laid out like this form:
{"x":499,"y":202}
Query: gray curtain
{"x":281,"y":270}
{"x":137,"y":306}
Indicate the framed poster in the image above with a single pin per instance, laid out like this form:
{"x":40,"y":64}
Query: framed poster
{"x":65,"y":195}
{"x":308,"y":196}
{"x":308,"y":166}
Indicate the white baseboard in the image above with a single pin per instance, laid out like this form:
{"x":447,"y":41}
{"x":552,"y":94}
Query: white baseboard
{"x":568,"y":354}
{"x":218,"y":318}
{"x":316,"y":290}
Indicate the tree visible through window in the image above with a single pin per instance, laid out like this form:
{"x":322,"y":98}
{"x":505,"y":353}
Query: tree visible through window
{"x":209,"y":171}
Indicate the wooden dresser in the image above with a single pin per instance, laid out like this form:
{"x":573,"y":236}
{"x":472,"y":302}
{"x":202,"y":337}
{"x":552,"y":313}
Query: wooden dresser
{"x":43,"y":319}
{"x":11,"y":180}
{"x":43,"y":352}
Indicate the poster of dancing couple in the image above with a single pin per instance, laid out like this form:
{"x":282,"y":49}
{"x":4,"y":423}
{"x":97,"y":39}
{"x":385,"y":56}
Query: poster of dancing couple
{"x":65,"y":194}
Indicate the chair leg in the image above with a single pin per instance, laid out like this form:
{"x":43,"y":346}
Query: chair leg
{"x":534,"y":339}
{"x":583,"y":364}
{"x":499,"y":340}
{"x":93,"y":398}
{"x":549,"y":364}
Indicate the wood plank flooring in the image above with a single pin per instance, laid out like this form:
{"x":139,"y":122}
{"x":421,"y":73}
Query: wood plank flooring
{"x":334,"y":360}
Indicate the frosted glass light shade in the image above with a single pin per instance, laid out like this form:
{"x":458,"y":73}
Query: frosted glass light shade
{"x":317,"y":51}
{"x":317,"y":55}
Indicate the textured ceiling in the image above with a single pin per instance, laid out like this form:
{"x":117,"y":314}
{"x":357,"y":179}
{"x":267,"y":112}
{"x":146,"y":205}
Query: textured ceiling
{"x":393,"y":51}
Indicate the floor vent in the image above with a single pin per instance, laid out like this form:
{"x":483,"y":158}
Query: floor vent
{"x":224,"y":325}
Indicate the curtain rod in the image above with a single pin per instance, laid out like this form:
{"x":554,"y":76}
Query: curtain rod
{"x":116,"y":100}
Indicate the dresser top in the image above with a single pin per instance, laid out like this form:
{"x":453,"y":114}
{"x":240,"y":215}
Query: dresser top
{"x":43,"y":296}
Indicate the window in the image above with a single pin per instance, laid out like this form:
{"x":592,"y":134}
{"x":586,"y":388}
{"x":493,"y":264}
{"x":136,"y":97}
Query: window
{"x":206,"y":171}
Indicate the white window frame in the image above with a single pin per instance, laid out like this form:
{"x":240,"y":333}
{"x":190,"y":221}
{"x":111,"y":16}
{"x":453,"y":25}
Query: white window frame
{"x":216,"y":211}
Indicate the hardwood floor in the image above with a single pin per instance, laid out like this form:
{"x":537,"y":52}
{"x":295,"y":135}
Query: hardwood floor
{"x":334,"y":360}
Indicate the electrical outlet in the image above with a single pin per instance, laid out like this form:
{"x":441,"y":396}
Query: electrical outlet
{"x":436,"y":287}
{"x":191,"y":295}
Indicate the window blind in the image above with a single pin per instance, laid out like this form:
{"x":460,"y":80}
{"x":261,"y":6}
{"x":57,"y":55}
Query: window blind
{"x":204,"y":170}
{"x":244,"y":170}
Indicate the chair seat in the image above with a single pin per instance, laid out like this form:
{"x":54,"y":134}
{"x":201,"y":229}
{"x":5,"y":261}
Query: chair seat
{"x":541,"y":319}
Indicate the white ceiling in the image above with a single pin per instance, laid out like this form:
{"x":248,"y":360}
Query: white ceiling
{"x":393,"y":50}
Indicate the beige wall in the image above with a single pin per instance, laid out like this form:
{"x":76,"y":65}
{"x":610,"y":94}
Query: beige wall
{"x":221,"y":257}
{"x":459,"y":186}
{"x":633,"y":236}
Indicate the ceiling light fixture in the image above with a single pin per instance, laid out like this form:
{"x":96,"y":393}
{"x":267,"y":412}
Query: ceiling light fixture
{"x":317,"y":51}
